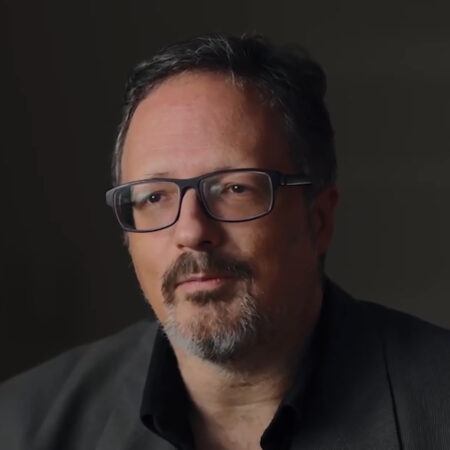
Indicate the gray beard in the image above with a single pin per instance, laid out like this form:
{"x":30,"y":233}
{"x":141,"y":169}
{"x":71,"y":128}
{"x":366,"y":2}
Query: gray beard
{"x":223,"y":339}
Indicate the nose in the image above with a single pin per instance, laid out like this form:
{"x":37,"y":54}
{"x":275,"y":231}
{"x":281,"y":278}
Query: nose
{"x":194,"y":229}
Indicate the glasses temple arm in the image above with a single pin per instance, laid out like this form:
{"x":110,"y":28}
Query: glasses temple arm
{"x":294,"y":180}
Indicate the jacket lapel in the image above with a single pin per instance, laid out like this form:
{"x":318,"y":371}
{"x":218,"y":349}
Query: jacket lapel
{"x":124,"y":429}
{"x":348,"y":404}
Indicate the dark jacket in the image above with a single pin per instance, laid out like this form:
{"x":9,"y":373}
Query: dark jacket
{"x":382,"y":381}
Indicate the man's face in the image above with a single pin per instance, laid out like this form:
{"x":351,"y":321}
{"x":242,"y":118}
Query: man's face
{"x":220,"y":287}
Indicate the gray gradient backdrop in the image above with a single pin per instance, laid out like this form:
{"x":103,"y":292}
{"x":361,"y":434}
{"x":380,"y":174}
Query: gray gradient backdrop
{"x":66,"y":279}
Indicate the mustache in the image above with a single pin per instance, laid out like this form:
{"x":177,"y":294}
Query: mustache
{"x":190,"y":264}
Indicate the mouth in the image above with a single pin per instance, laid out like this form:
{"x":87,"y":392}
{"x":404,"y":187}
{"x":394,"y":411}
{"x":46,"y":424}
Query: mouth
{"x":201,"y":281}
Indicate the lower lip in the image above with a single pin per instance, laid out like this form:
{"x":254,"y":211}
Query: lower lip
{"x":207,"y":284}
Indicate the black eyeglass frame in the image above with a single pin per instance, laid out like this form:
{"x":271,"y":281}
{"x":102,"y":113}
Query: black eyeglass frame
{"x":184,"y":184}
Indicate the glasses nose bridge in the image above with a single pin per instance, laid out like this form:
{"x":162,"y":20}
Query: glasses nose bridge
{"x":192,"y":183}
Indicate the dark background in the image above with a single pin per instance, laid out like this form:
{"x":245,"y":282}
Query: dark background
{"x":67,"y":279}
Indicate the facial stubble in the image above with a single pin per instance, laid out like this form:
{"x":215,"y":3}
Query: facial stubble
{"x":228,"y":321}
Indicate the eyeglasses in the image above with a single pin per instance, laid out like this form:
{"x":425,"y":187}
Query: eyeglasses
{"x":235,"y":195}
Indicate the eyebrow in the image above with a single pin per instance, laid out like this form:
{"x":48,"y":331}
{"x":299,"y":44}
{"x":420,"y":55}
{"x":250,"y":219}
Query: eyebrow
{"x":156,"y":175}
{"x":167,"y":174}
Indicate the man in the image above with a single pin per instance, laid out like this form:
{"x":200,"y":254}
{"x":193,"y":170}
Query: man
{"x":224,"y":174}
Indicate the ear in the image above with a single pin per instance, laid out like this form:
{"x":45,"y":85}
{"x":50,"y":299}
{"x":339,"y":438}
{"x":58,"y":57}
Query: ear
{"x":323,"y":218}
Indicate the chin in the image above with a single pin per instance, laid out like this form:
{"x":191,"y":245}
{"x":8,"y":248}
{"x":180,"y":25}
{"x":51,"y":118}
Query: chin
{"x":217,"y":331}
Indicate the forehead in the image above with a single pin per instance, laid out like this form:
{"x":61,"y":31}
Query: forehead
{"x":197,"y":122}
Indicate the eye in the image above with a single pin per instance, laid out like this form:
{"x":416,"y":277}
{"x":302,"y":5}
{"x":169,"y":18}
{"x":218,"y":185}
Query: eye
{"x":154,"y":197}
{"x":236,"y":188}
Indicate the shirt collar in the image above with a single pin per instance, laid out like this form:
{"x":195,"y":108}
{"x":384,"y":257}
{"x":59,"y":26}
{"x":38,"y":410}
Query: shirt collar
{"x":165,"y":403}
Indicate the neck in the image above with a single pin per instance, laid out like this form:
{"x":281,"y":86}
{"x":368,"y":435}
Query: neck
{"x":257,"y":381}
{"x":222,"y":387}
{"x":234,"y":402}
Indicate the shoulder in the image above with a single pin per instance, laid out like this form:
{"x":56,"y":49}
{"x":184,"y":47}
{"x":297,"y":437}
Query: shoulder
{"x":416,"y":365}
{"x":407,"y":338}
{"x":94,"y":360}
{"x":417,"y":353}
{"x":85,"y":376}
{"x":413,"y":338}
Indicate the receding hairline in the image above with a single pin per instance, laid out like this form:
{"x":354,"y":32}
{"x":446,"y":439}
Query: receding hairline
{"x":241,"y":82}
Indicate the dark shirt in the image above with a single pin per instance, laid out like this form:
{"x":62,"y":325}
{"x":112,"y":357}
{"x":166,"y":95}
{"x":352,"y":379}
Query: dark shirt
{"x":165,"y":405}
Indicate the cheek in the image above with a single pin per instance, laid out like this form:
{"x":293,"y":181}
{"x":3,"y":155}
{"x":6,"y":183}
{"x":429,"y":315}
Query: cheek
{"x":149,"y":264}
{"x":283,"y":255}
